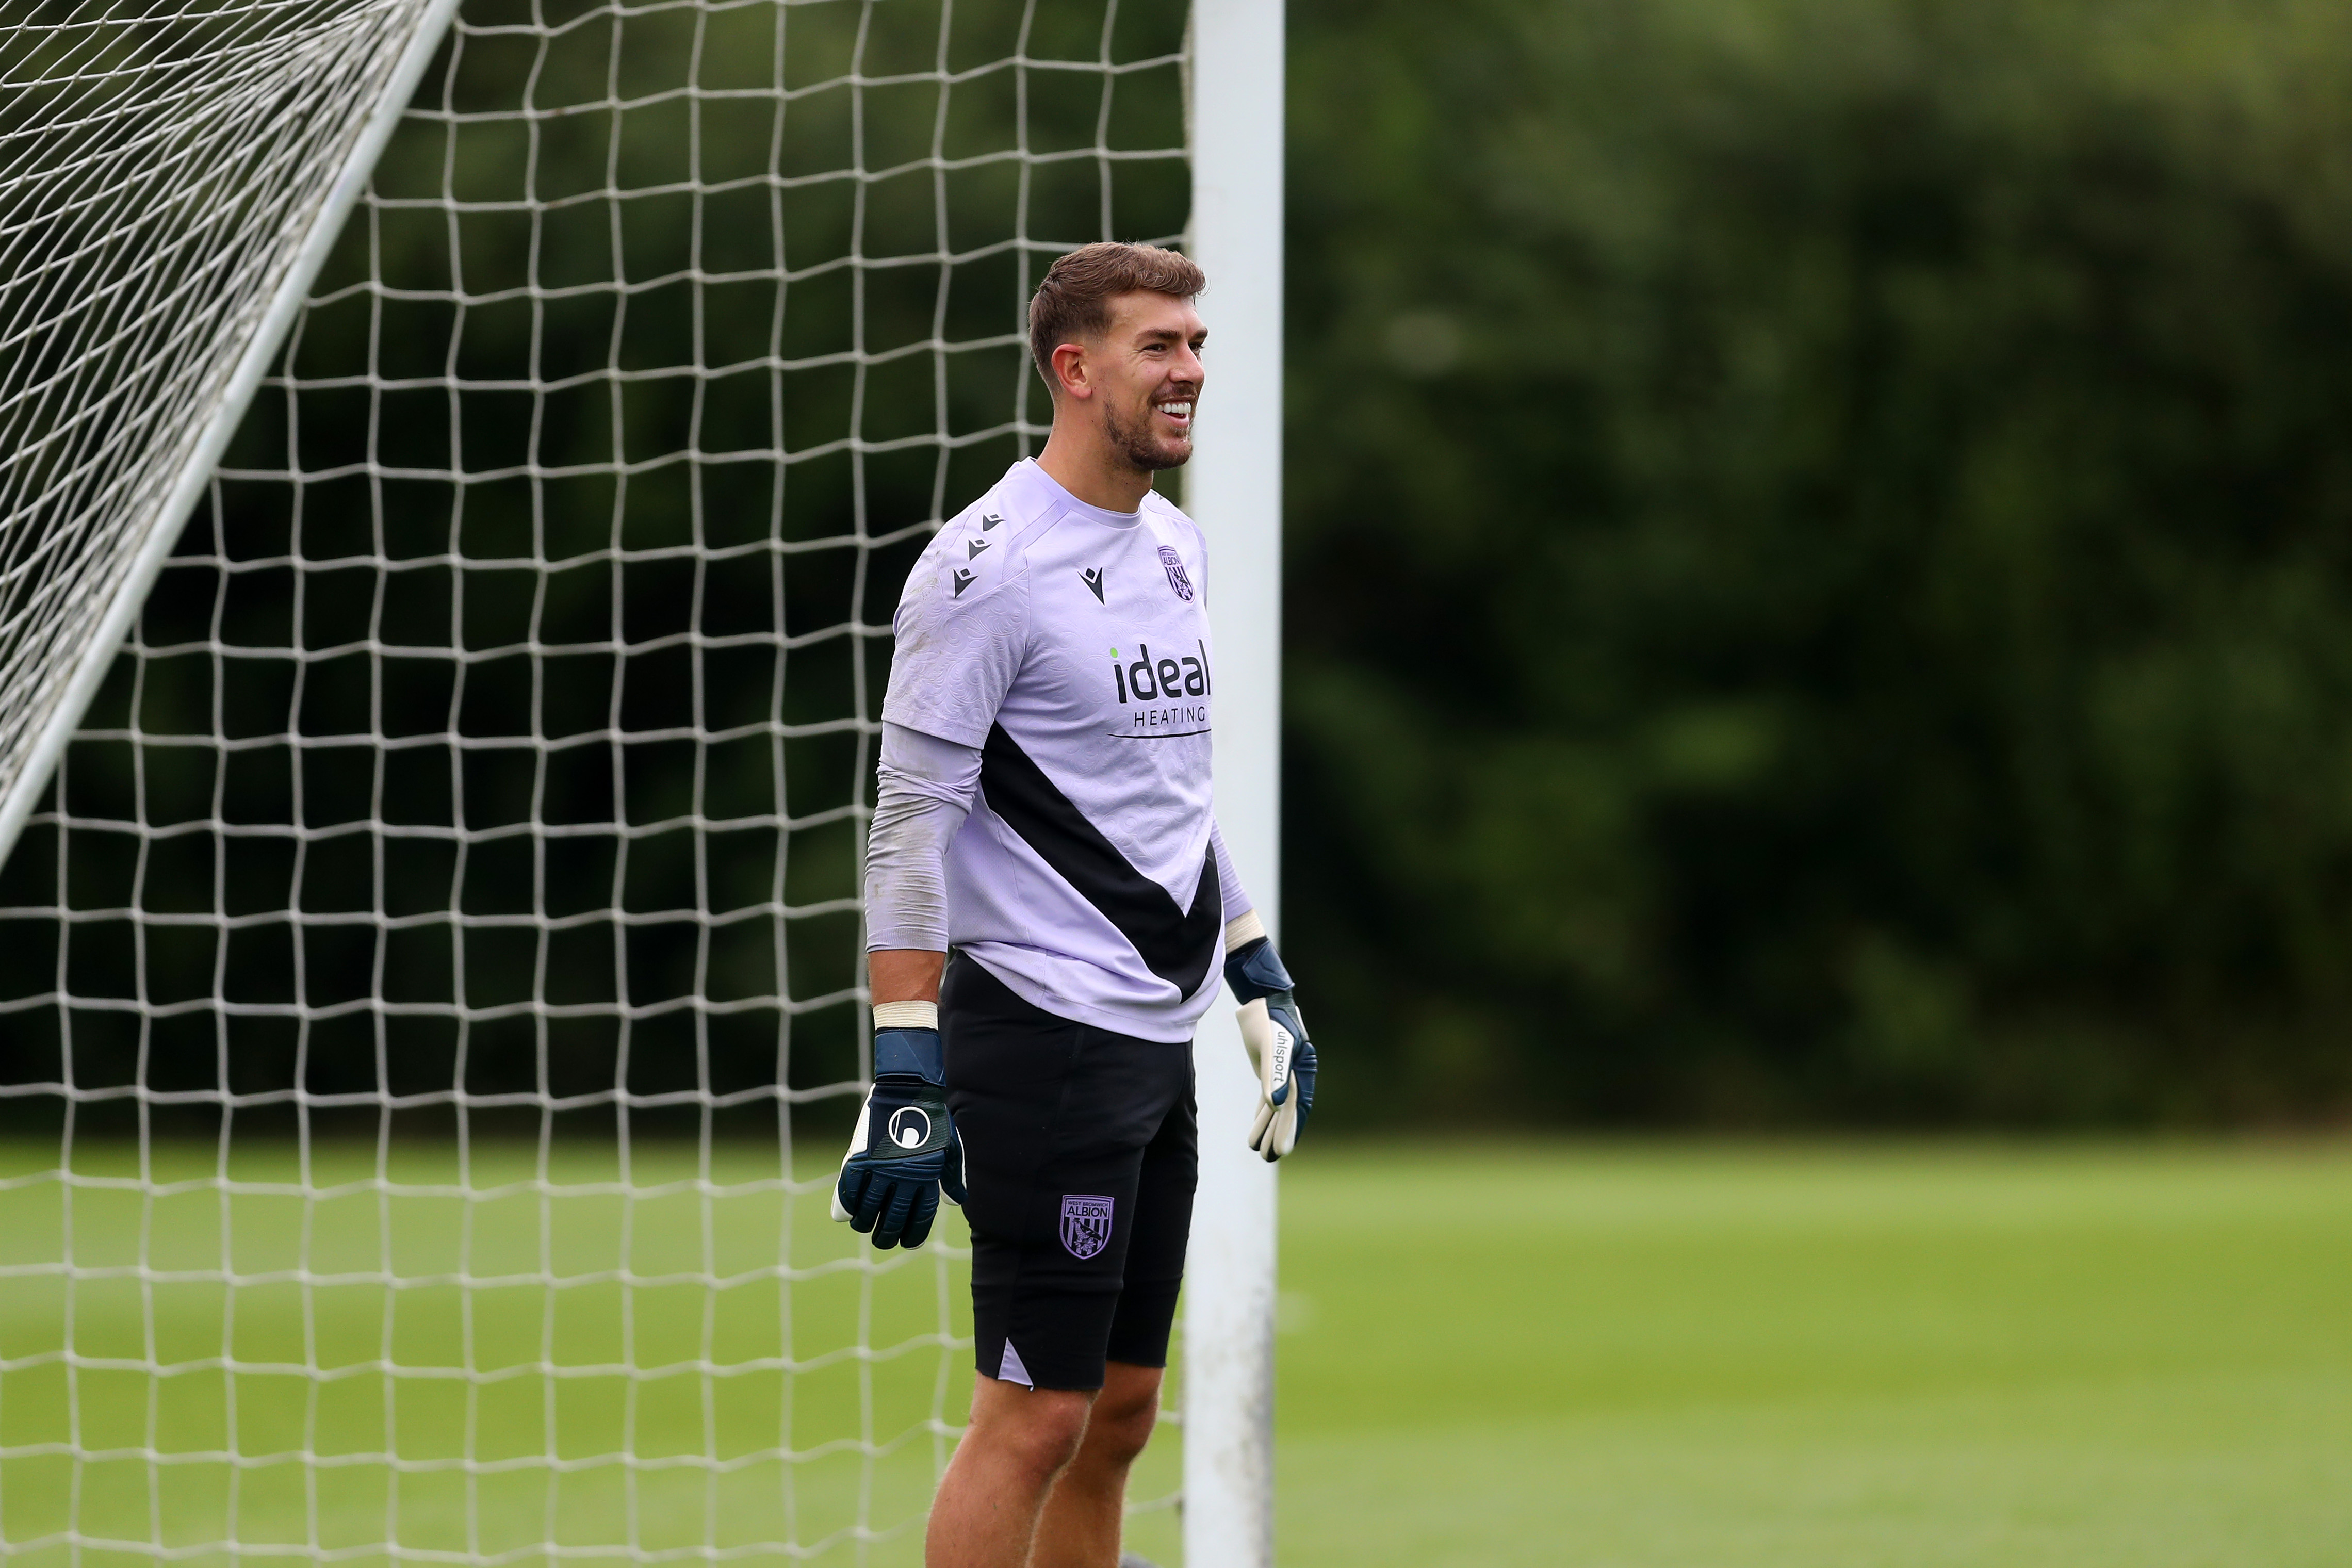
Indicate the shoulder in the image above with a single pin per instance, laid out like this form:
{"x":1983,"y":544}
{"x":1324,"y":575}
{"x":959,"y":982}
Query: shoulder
{"x":981,"y":555}
{"x":1170,"y":517}
{"x":1171,"y":526}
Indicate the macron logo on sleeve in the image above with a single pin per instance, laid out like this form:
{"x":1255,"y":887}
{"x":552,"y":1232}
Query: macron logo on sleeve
{"x":962,"y":577}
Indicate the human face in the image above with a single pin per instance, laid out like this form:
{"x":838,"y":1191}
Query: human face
{"x":1148,"y":377}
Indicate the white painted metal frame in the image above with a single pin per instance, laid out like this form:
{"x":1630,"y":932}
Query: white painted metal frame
{"x":260,"y":352}
{"x":1234,"y":487}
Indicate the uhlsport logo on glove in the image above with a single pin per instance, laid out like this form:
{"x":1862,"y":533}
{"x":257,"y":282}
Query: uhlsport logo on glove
{"x":1086,"y":1225}
{"x":909,"y":1127}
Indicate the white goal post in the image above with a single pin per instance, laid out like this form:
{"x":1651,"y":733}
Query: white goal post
{"x":1234,"y":488}
{"x":456,"y":462}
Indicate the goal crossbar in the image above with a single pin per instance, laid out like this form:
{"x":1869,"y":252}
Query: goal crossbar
{"x":263,"y":334}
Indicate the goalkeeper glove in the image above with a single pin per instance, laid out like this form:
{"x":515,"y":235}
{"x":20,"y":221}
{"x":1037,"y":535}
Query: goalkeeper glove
{"x":1278,"y":1046}
{"x":905,"y":1152}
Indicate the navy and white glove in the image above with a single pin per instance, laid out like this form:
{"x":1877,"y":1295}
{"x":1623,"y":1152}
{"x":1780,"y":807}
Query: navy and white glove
{"x":1278,"y":1047}
{"x":905,"y":1152}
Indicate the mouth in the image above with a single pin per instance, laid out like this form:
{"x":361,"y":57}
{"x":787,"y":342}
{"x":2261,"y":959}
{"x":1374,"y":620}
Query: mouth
{"x":1177,"y":411}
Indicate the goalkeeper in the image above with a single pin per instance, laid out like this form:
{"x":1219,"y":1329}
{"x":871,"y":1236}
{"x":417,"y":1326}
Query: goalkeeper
{"x":1049,"y":905}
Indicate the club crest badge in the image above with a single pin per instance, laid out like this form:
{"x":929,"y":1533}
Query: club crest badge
{"x":1085,"y":1225}
{"x":1176,"y":577}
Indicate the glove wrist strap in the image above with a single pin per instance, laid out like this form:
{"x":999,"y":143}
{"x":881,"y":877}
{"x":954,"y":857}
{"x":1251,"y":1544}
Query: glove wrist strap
{"x":1254,"y":970}
{"x":909,"y":1052}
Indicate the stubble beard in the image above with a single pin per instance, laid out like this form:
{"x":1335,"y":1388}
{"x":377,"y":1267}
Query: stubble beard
{"x":1135,"y":443}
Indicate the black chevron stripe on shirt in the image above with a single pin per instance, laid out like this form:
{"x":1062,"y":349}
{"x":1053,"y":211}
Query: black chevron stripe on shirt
{"x":1177,"y":944}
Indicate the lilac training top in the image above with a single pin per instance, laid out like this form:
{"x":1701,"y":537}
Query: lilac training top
{"x":1070,"y":646}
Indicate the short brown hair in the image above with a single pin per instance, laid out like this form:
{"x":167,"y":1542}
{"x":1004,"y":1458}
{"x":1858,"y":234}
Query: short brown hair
{"x":1074,"y":300}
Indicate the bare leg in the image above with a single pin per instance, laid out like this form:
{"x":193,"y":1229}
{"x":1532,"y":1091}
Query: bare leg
{"x":1021,"y":1439}
{"x":1080,"y":1526}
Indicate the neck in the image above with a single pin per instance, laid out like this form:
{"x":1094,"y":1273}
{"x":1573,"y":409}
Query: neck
{"x":1083,"y":463}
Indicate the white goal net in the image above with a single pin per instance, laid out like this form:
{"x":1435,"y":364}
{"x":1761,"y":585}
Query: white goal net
{"x":430,"y":981}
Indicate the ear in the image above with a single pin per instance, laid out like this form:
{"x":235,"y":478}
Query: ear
{"x":1070,"y":371}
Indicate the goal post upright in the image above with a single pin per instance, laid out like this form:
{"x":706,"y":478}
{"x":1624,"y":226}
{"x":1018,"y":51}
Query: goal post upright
{"x":1234,"y":488}
{"x":195,"y":472}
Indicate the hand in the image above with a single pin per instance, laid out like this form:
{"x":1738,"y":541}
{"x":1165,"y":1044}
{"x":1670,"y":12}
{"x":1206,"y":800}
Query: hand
{"x":905,"y":1152}
{"x":1279,"y":1049}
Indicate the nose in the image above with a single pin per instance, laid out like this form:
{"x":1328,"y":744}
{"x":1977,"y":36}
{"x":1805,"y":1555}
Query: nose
{"x":1189,"y":366}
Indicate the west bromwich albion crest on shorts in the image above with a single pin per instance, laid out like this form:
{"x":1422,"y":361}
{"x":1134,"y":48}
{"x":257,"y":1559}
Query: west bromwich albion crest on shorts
{"x":1086,"y":1225}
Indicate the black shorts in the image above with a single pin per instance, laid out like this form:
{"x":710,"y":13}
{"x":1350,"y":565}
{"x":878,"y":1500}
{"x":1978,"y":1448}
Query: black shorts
{"x":1080,"y":1153}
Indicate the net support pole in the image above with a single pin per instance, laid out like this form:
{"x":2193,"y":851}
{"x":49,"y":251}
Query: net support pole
{"x":171,"y":515}
{"x":1234,"y":487}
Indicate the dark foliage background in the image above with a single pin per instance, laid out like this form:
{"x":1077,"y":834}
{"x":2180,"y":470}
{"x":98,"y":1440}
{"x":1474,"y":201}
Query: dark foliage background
{"x":1818,"y":582}
{"x":1819,"y":547}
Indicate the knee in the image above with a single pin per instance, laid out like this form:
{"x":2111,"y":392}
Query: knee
{"x":1038,"y":1431}
{"x":1120,"y":1423}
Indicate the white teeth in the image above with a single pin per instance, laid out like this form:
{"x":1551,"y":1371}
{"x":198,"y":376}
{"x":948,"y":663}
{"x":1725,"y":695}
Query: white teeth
{"x":1175,"y":410}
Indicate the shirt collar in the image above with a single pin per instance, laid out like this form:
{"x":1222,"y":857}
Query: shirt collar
{"x":1050,"y":488}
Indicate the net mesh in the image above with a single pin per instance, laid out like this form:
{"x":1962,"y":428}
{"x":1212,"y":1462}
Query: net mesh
{"x":158,"y":165}
{"x":430,"y":989}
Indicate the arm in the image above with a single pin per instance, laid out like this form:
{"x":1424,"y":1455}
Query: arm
{"x":905,"y":1152}
{"x":960,"y":636}
{"x":925,"y":789}
{"x":900,"y":975}
{"x":1229,"y":882}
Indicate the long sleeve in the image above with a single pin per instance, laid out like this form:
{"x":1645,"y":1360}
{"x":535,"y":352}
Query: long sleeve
{"x":924,"y":787}
{"x":1229,"y":881}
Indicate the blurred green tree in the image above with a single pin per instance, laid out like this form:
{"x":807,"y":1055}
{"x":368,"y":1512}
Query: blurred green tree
{"x":1821,"y":559}
{"x":1820,"y":583}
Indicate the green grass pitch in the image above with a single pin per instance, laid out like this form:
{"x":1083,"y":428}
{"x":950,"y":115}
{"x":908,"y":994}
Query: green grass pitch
{"x":519,"y":1320}
{"x":1673,"y":1357}
{"x":1645,"y":1356}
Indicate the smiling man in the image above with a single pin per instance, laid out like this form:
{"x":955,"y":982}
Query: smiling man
{"x":1047,"y":903}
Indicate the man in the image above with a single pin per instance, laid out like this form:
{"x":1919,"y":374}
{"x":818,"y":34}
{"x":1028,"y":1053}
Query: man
{"x":1047,"y":901}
